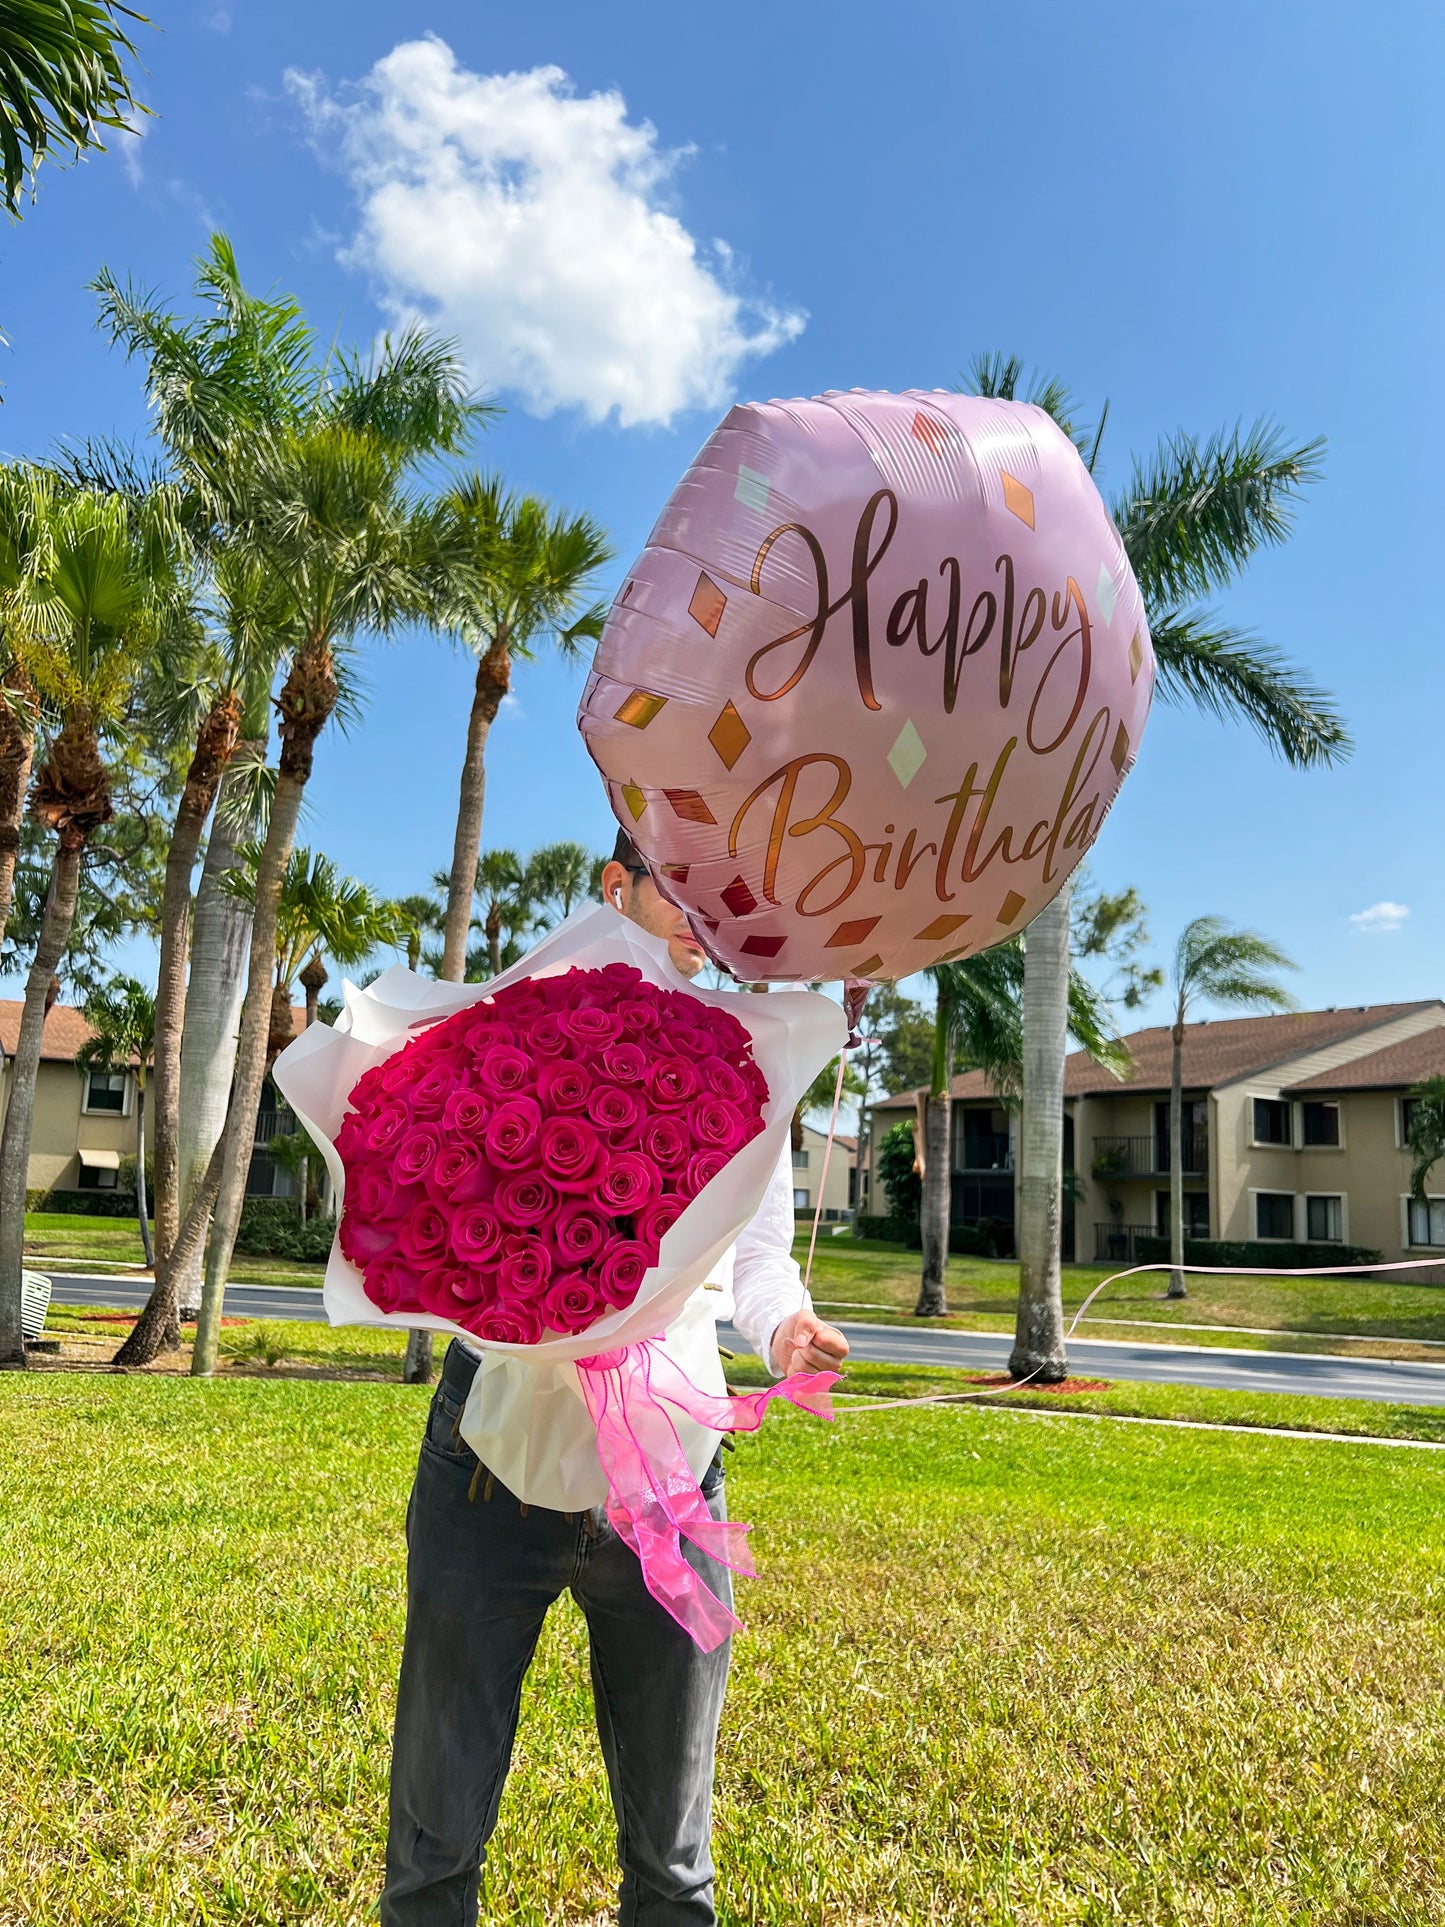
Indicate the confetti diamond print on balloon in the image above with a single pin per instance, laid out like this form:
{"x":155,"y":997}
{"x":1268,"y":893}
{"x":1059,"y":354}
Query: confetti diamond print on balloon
{"x":763,"y":946}
{"x":931,"y":432}
{"x":1119,"y":754}
{"x":940,"y":928}
{"x":1011,"y":906}
{"x":708,"y":603}
{"x":1107,"y":593}
{"x":690,"y":806}
{"x":753,"y":489}
{"x":739,"y":898}
{"x":1017,"y":499}
{"x":640,"y":707}
{"x":847,"y":934}
{"x":634,"y":799}
{"x":907,"y":755}
{"x":729,"y":735}
{"x":1136,"y":657}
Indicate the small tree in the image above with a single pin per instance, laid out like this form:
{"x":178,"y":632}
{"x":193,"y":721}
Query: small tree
{"x":1221,"y":966}
{"x":1427,"y":1133}
{"x":123,"y":1018}
{"x":898,"y":1174}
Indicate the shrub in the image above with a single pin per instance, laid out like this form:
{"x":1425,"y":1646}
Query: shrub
{"x":1246,"y":1254}
{"x":901,"y":1184}
{"x":886,"y":1230}
{"x":272,"y":1228}
{"x":87,"y":1204}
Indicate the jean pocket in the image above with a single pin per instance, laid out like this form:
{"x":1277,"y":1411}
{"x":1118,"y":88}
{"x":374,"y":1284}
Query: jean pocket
{"x":443,"y":1422}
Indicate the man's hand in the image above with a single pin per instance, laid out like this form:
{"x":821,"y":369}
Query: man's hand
{"x":803,"y":1343}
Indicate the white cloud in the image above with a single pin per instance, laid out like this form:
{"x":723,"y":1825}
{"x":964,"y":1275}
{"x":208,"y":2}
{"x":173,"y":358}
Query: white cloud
{"x":218,"y":19}
{"x":530,"y":223}
{"x":127,"y":143}
{"x":1380,"y":916}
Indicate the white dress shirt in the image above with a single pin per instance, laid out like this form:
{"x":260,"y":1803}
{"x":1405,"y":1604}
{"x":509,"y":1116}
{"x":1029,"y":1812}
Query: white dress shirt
{"x":528,"y":1422}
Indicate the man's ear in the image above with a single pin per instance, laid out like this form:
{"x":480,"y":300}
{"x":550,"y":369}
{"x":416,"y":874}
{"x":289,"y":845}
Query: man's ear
{"x":615,"y":882}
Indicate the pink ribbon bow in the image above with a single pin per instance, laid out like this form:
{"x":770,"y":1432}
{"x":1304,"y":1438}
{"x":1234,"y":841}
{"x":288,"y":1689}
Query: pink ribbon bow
{"x":653,"y":1500}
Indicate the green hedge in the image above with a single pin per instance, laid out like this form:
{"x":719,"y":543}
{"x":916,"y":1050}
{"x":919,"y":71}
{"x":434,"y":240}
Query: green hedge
{"x":87,"y":1204}
{"x":1243,"y":1254}
{"x":271,"y":1228}
{"x":989,"y":1238}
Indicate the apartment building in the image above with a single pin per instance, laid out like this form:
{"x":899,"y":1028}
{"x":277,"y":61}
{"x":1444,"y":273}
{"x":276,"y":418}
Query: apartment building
{"x":840,"y":1188}
{"x":1295,"y":1129}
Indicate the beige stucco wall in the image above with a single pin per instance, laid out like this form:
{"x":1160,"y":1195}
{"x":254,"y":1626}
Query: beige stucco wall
{"x":62,"y":1127}
{"x":806,"y":1176}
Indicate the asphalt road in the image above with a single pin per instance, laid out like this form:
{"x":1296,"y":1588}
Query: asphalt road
{"x":1320,"y":1376}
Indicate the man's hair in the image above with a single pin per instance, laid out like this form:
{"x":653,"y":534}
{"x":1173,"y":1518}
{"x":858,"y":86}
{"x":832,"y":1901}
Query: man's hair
{"x":624,"y":851}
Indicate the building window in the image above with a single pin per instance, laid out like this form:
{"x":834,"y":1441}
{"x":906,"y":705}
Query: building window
{"x":1407,"y":1118}
{"x":97,"y":1178}
{"x":1271,"y":1121}
{"x":1321,"y":1123}
{"x":1196,"y":1214}
{"x":800,"y":1201}
{"x":1427,"y":1221}
{"x":1324,"y":1220}
{"x":105,"y":1091}
{"x":800,"y":1160}
{"x":1274,"y":1214}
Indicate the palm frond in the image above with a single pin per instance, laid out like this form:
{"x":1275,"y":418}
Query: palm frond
{"x":1005,"y":378}
{"x":1234,"y":676}
{"x":62,"y":77}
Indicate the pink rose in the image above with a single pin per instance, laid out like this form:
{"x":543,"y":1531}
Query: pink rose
{"x":374,"y":1192}
{"x":506,"y":1325}
{"x":755,"y":1081}
{"x":362,"y":1240}
{"x":716,"y":1123}
{"x":564,"y":1087}
{"x":399,"y":1073}
{"x":629,"y":1182}
{"x":622,"y":1272}
{"x":416,"y":1152}
{"x":688,"y":1041}
{"x":547,"y":1037}
{"x":465,"y":1112}
{"x":457,"y":1169}
{"x":387,"y":1126}
{"x":351,"y":1137}
{"x":486,"y":1031}
{"x":476,"y":1234}
{"x":725,"y":1027}
{"x":569,"y":1151}
{"x":391,"y":1286}
{"x":451,"y":1290}
{"x":572,"y":1303}
{"x":578,"y":1233}
{"x":422,"y":1235}
{"x":654,"y":1223}
{"x":504,"y":1071}
{"x":590,"y":1027}
{"x":620,"y":976}
{"x":511,"y":1133}
{"x":719,"y":1077}
{"x":557,"y":993}
{"x":520,"y":1005}
{"x":524,"y":1200}
{"x":671,"y":1083}
{"x":667,"y":1143}
{"x":615,"y":1112}
{"x":625,"y":1063}
{"x":524,"y":1269}
{"x":431,"y":1090}
{"x":638,"y":1019}
{"x":366,"y":1092}
{"x":702,"y":1169}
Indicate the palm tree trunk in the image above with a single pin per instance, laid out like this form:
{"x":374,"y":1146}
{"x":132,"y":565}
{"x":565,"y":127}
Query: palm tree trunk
{"x":17,"y":748}
{"x":1176,"y":1165}
{"x":140,"y":1167}
{"x":494,"y":677}
{"x":220,"y":943}
{"x":306,"y":701}
{"x":215,"y":743}
{"x":55,"y":929}
{"x":1038,"y":1351}
{"x":937,"y":1181}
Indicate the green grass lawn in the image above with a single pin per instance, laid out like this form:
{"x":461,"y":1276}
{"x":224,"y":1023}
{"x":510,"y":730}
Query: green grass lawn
{"x":116,"y":1241}
{"x":1000,"y":1668}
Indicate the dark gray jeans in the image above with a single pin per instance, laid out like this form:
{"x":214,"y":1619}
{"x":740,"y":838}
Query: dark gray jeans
{"x":480,"y":1577}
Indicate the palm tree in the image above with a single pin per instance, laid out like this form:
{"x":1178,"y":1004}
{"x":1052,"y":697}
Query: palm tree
{"x":1426,"y":1138}
{"x":515,"y":573}
{"x":1190,"y":519}
{"x":415,"y":917}
{"x":559,"y":876}
{"x":979,"y":1020}
{"x":62,"y":80}
{"x":105,"y":585}
{"x":1213,"y":964}
{"x":122,"y":1018}
{"x":25,"y":495}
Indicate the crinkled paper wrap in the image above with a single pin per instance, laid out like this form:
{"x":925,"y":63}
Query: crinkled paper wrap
{"x":794,"y":1034}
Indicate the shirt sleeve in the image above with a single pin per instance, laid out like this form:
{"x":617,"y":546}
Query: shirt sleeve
{"x":767,"y":1284}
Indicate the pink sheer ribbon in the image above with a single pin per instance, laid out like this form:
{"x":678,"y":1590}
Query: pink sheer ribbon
{"x":653,"y":1500}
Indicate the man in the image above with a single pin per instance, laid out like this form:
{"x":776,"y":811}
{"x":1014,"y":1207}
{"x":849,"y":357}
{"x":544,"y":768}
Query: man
{"x":483,"y":1569}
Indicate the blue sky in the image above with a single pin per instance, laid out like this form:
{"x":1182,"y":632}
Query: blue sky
{"x":1202,"y":213}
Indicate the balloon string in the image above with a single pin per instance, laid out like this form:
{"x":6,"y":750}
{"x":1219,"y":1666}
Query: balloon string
{"x":827,"y":1153}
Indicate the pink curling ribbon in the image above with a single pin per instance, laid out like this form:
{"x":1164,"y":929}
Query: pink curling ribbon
{"x":653,"y":1500}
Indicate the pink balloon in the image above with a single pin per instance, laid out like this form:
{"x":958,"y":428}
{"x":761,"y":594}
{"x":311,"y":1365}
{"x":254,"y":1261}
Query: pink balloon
{"x":866,"y":697}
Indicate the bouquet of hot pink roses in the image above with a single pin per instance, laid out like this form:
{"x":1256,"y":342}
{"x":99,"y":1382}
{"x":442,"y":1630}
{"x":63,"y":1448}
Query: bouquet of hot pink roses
{"x":516,"y":1166}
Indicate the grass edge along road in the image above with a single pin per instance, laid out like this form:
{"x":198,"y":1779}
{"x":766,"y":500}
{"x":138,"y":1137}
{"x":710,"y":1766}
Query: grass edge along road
{"x":1007,"y":1672}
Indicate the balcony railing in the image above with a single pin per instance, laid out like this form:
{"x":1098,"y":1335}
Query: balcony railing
{"x":991,"y":1152}
{"x":278,"y":1123}
{"x":1148,"y":1157}
{"x":1118,"y":1243}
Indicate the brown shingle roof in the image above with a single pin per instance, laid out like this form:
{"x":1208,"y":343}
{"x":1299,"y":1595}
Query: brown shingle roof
{"x":66,"y":1030}
{"x":1394,"y":1068}
{"x":1214,"y":1053}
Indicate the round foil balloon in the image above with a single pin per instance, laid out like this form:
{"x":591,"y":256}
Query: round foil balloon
{"x":867,"y":695}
